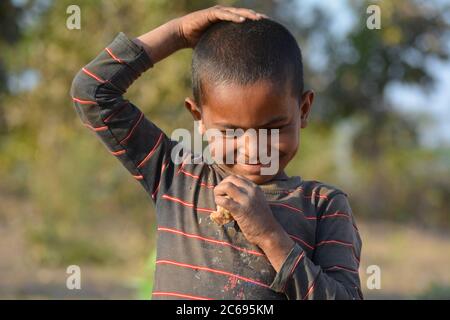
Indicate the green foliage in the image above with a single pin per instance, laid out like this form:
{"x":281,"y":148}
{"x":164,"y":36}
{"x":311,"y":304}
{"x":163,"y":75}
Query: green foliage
{"x":145,"y":283}
{"x":436,"y":292}
{"x":61,"y":248}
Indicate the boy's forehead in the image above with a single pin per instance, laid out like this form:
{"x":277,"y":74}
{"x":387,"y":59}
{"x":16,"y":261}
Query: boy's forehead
{"x":257,"y":105}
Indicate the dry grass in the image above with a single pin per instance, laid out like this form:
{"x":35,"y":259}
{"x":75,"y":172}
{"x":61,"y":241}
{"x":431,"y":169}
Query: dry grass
{"x":413,"y":262}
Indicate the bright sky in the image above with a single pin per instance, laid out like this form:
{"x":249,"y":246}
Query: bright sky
{"x":409,"y":99}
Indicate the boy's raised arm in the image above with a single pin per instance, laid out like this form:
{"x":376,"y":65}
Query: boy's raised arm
{"x":98,"y":88}
{"x":97,"y":92}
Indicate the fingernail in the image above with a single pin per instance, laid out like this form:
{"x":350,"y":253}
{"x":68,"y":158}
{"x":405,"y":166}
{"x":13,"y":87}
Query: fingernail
{"x":241,"y":18}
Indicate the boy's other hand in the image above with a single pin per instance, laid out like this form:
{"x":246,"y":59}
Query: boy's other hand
{"x":192,"y":26}
{"x":248,"y":206}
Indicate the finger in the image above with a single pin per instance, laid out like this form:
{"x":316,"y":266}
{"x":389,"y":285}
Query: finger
{"x":228,"y":204}
{"x":230,"y":189}
{"x":247,"y":13}
{"x":240,"y":181}
{"x":226,"y":188}
{"x":221,"y":14}
{"x":247,"y":181}
{"x":259,"y":15}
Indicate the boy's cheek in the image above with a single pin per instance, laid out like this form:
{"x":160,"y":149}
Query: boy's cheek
{"x":288,"y":143}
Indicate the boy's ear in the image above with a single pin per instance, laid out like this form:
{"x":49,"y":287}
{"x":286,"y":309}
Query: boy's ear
{"x":305,"y":107}
{"x":194,"y":110}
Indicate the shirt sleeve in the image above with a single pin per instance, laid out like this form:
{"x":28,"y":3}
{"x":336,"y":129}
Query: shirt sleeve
{"x":332,"y":272}
{"x":97,"y":93}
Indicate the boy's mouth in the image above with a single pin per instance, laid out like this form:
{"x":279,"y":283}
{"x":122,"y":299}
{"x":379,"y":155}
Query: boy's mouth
{"x":250,"y":171}
{"x":251,"y":168}
{"x":247,"y":166}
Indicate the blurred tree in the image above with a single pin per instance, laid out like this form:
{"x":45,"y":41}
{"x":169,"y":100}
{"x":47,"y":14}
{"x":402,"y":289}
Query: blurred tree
{"x":10,"y":32}
{"x":360,"y":66}
{"x":357,"y":69}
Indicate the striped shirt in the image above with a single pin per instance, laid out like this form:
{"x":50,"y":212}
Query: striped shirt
{"x":196,"y":259}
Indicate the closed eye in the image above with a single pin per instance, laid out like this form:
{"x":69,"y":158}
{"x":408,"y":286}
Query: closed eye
{"x":231,"y":133}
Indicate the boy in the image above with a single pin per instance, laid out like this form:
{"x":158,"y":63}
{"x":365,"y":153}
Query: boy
{"x":290,"y":239}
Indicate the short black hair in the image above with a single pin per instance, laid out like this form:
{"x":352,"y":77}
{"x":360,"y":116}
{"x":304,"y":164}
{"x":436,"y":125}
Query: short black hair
{"x":244,"y":53}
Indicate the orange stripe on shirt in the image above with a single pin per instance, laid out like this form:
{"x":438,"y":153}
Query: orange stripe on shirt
{"x":93,"y":75}
{"x":347,"y":244}
{"x":293,"y":268}
{"x":292,"y":208}
{"x":336,"y":214}
{"x":163,"y":168}
{"x":81,"y":101}
{"x":302,"y":241}
{"x":103,"y":128}
{"x":186,"y":204}
{"x":132,"y":129}
{"x":149,"y":155}
{"x":181,"y":295}
{"x":310,"y":290}
{"x":118,"y":153}
{"x":113,"y":56}
{"x":341,"y":268}
{"x":225,"y":273}
{"x":203,"y":184}
{"x":296,"y":263}
{"x":334,"y":242}
{"x":116,"y":112}
{"x":224,"y":243}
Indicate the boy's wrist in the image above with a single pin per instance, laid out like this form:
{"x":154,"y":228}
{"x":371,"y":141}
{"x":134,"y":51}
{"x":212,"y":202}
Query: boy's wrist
{"x":161,"y":42}
{"x":277,"y":246}
{"x":177,"y":34}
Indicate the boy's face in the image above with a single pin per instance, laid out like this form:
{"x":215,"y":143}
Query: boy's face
{"x":261,"y":105}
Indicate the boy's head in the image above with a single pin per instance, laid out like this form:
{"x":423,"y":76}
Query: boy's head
{"x":250,"y":75}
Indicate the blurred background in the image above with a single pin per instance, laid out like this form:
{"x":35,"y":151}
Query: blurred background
{"x":380,"y":130}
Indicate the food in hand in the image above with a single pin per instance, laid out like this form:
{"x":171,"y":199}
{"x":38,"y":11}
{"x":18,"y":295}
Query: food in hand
{"x":221,"y":216}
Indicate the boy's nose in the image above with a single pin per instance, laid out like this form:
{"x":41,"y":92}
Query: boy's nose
{"x":248,"y":149}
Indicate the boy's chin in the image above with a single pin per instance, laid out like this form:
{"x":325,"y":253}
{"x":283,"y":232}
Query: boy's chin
{"x":259,"y":179}
{"x":250,"y":172}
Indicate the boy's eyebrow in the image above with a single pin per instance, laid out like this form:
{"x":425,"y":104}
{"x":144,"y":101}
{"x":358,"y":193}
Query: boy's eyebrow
{"x":273,"y":121}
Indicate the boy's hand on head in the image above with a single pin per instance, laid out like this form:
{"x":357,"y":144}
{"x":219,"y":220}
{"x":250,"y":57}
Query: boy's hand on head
{"x":248,"y":206}
{"x":186,"y":31}
{"x":192,"y":26}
